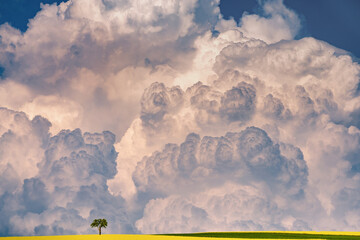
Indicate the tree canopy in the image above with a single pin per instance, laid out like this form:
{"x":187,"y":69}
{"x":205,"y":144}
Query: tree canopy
{"x":99,"y":223}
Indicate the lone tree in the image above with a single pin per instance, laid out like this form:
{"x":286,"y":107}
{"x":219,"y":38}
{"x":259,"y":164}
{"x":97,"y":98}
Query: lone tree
{"x":99,"y":223}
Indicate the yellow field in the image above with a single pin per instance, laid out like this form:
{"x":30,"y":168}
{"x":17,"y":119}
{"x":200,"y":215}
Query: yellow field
{"x":110,"y":237}
{"x":156,"y":237}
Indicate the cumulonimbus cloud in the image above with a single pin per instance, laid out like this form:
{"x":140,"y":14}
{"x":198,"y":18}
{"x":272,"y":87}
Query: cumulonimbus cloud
{"x":249,"y":155}
{"x":69,"y":187}
{"x":218,"y":126}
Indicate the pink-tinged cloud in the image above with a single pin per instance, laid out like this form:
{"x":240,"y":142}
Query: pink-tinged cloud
{"x":162,"y":116}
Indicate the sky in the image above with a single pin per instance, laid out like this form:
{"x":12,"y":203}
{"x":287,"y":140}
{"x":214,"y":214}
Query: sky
{"x":332,"y":21}
{"x":179,"y":116}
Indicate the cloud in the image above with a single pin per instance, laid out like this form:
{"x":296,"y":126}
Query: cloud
{"x":250,"y":154}
{"x":346,"y":203}
{"x":157,"y":100}
{"x":274,"y":108}
{"x":63,"y":113}
{"x":238,"y":103}
{"x":231,"y":207}
{"x":278,"y":23}
{"x":205,"y":112}
{"x":100,"y":45}
{"x":64,"y":187}
{"x":290,"y":92}
{"x":21,"y":143}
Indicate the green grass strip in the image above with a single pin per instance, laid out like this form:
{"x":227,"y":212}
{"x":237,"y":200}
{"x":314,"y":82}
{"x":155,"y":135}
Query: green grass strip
{"x":268,"y":235}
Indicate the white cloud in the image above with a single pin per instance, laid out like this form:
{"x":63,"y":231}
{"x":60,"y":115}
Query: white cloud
{"x":67,"y":188}
{"x":278,"y":23}
{"x":297,"y":99}
{"x":21,"y":142}
{"x":240,"y":157}
{"x":14,"y":101}
{"x":231,"y":207}
{"x":64,"y":113}
{"x":114,"y":48}
{"x":153,"y":72}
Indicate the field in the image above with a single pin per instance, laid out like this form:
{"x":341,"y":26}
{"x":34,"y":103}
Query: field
{"x":203,"y":236}
{"x":275,"y":235}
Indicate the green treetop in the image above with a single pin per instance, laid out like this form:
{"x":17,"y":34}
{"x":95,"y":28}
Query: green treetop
{"x":99,"y":223}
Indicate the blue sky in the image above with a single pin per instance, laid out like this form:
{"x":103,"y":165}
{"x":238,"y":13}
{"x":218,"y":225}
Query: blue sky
{"x":179,"y":116}
{"x":18,"y":12}
{"x":333,"y":21}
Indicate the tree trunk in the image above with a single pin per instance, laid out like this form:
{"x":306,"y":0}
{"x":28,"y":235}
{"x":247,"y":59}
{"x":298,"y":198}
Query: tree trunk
{"x":99,"y":230}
